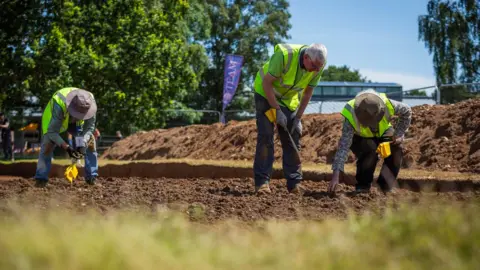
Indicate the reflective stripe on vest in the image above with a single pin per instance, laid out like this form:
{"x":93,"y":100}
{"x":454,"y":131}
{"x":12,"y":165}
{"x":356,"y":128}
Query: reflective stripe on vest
{"x":286,"y":89}
{"x":60,"y":97}
{"x":349,"y":113}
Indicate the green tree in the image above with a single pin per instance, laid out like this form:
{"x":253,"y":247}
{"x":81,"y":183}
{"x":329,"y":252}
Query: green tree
{"x":451,"y":32}
{"x":132,"y":54}
{"x":22,"y":23}
{"x":455,"y":93}
{"x":243,"y":27}
{"x":342,"y":74}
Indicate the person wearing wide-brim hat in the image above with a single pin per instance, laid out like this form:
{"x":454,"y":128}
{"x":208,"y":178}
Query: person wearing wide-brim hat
{"x":73,"y":110}
{"x":367,"y":124}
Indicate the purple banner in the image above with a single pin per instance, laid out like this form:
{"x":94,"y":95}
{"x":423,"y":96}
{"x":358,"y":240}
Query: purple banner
{"x":231,"y":77}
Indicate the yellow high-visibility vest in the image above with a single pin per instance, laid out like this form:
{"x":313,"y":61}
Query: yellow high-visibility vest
{"x":286,"y":90}
{"x":60,"y":97}
{"x":349,"y":113}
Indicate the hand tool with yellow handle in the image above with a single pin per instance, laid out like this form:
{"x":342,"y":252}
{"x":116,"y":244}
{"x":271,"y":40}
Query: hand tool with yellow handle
{"x":383,"y":150}
{"x":71,"y":172}
{"x":272,"y":117}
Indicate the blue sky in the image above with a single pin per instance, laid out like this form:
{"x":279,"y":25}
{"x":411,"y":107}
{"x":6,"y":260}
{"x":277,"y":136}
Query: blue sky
{"x":380,"y":38}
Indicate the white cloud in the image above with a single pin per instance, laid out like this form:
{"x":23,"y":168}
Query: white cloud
{"x":408,"y":81}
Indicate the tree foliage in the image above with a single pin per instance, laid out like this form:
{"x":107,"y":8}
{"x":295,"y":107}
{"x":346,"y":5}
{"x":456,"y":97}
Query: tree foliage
{"x":243,"y":27}
{"x":22,"y":23}
{"x":342,"y":74}
{"x":451,"y":32}
{"x":141,"y":58}
{"x":132,"y":54}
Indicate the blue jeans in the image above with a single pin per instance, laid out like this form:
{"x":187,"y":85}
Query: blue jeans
{"x":44,"y":163}
{"x":264,"y":154}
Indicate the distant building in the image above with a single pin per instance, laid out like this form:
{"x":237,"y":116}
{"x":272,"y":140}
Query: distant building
{"x":347,"y":90}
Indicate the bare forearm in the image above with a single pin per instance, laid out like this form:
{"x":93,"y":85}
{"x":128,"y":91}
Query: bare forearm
{"x":307,"y":95}
{"x":268,"y":89}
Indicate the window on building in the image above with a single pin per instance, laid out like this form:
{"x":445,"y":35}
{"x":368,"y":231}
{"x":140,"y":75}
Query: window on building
{"x":395,"y":89}
{"x":342,"y":90}
{"x":317,"y":91}
{"x":381,"y":89}
{"x":329,"y":90}
{"x":353,"y":91}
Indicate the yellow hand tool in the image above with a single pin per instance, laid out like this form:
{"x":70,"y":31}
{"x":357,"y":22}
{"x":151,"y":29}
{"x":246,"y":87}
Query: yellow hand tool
{"x":383,"y":150}
{"x":71,"y":172}
{"x":272,"y":117}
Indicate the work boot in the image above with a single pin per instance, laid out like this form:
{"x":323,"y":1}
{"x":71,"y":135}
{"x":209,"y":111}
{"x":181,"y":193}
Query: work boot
{"x":298,"y":189}
{"x":263,"y":189}
{"x":90,"y":180}
{"x":41,"y":183}
{"x":360,"y":190}
{"x":389,"y":191}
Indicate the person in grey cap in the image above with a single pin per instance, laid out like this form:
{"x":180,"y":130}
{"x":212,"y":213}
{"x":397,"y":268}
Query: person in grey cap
{"x":73,"y":110}
{"x":367,"y":124}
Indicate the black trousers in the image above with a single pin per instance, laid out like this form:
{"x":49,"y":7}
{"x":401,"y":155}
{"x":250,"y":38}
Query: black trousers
{"x":7,"y":147}
{"x":264,"y":153}
{"x":367,"y":158}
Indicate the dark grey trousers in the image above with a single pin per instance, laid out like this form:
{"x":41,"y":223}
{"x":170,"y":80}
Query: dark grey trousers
{"x":264,"y":154}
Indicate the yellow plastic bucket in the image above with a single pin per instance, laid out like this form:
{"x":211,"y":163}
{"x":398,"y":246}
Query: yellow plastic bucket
{"x":384,"y":149}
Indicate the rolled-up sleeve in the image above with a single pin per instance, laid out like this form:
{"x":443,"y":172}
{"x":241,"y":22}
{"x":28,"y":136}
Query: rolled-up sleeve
{"x":404,"y":113}
{"x":343,"y":147}
{"x":88,"y":129}
{"x":53,"y":131}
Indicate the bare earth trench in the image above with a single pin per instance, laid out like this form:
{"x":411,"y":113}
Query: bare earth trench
{"x":211,"y":200}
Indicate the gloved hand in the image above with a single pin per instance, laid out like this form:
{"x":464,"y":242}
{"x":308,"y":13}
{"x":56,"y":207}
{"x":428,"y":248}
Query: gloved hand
{"x":296,"y":124}
{"x":281,"y":119}
{"x":82,"y":150}
{"x":73,"y":154}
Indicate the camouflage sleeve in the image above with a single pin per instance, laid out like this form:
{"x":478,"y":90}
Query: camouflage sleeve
{"x":404,"y":117}
{"x":343,"y":146}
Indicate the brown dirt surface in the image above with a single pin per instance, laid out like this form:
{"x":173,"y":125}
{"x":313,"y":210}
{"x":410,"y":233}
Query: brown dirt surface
{"x":209,"y":200}
{"x":445,"y":137}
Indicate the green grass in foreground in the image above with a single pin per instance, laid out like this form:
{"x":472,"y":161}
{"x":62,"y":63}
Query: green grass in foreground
{"x":418,"y":238}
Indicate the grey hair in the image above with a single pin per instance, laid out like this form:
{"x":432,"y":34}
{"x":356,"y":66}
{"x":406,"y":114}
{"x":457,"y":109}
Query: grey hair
{"x":317,"y":52}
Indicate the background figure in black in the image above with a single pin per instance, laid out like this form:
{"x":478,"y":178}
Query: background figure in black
{"x":6,"y":137}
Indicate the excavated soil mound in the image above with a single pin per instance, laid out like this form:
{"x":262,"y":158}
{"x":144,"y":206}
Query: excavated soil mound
{"x":445,"y":137}
{"x":211,"y":200}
